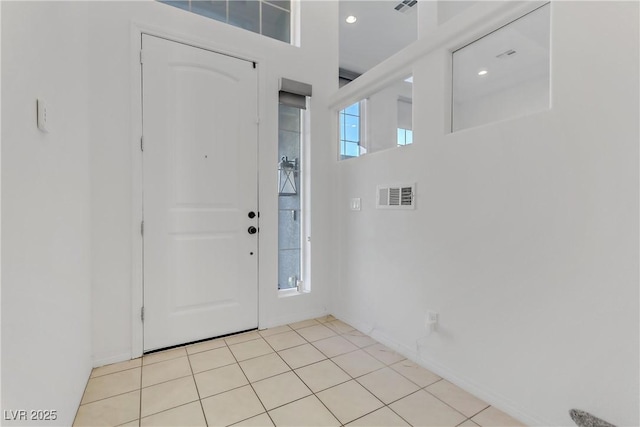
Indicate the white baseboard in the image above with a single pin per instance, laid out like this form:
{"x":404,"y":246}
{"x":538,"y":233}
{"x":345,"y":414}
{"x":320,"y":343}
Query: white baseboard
{"x":291,"y":318}
{"x":494,"y":399}
{"x":111,"y":359}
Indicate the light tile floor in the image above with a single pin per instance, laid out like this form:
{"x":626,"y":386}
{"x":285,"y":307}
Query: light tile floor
{"x":319,"y":372}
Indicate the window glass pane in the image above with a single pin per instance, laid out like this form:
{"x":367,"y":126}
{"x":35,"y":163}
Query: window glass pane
{"x":289,"y":268}
{"x":289,"y":228}
{"x":211,"y":9}
{"x":179,"y":4}
{"x":352,"y":128}
{"x":352,"y":149}
{"x":350,"y":131}
{"x":381,"y":121}
{"x":405,"y":136}
{"x":245,"y":14}
{"x":289,"y":118}
{"x":504,"y":74}
{"x":290,"y":193}
{"x":289,"y":144}
{"x":275,"y":23}
{"x":353,"y":109}
{"x":285,"y":4}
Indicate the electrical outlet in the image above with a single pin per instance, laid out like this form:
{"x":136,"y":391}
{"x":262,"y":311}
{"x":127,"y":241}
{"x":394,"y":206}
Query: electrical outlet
{"x":43,"y":120}
{"x":431,"y":320}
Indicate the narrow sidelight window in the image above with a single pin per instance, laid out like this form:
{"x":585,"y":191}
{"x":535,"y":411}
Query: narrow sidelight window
{"x":293,"y":216}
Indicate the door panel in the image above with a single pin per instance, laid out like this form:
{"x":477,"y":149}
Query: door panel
{"x":200,"y":181}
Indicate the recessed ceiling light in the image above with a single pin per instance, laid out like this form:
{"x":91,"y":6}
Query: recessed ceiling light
{"x":482,"y":72}
{"x":351,"y":19}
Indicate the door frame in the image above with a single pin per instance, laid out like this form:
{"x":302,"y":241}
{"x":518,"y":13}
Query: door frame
{"x":137,"y":29}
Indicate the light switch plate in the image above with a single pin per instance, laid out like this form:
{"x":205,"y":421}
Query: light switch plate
{"x":355,"y":204}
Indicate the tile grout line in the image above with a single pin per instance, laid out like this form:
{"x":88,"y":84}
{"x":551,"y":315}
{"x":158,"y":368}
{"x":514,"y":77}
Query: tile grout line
{"x":356,"y":380}
{"x":251,"y":385}
{"x":336,"y":333}
{"x":312,"y":392}
{"x":270,"y":376}
{"x":386,"y":365}
{"x":167,"y":410}
{"x":204,"y":351}
{"x":422,"y":388}
{"x":388,"y":405}
{"x":161,"y":352}
{"x":401,"y":417}
{"x":335,"y":385}
{"x":81,"y":398}
{"x":377,"y":409}
{"x":195,"y":383}
{"x":439,"y":378}
{"x":285,"y":348}
{"x":116,"y":372}
{"x":290,"y":370}
{"x":450,"y":406}
{"x":392,"y":410}
{"x":166,"y":381}
{"x":468,"y":419}
{"x":140,"y":395}
{"x":352,"y":378}
{"x":371,"y":393}
{"x":109,"y":397}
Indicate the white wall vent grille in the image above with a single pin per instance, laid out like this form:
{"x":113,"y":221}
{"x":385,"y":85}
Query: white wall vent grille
{"x":405,"y":5}
{"x":396,"y":196}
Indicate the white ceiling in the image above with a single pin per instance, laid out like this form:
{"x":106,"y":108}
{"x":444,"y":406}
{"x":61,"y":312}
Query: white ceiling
{"x":379,"y":32}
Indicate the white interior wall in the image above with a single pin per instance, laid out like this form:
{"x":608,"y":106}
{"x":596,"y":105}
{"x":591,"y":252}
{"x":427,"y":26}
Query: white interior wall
{"x":525,"y":234}
{"x":447,"y":9}
{"x":524,"y":238}
{"x":46,"y":320}
{"x":113,"y":159}
{"x":381,"y":119}
{"x":382,"y":116}
{"x":526,"y":98}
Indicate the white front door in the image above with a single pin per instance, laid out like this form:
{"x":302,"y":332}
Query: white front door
{"x":200,"y":184}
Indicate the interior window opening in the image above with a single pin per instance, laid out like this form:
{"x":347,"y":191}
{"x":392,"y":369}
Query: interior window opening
{"x":505,"y":74}
{"x":382,"y":121}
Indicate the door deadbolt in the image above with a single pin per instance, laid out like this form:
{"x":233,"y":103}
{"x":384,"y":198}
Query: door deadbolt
{"x":252,"y":214}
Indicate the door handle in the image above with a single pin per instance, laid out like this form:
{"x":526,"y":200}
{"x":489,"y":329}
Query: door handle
{"x":252,"y":230}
